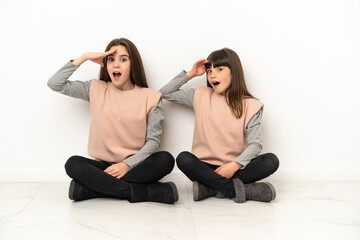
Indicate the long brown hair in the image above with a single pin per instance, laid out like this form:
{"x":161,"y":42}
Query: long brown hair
{"x":137,"y":72}
{"x":237,"y":90}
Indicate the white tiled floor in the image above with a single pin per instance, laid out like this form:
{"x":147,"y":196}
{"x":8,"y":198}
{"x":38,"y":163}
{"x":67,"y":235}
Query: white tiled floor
{"x":302,"y":210}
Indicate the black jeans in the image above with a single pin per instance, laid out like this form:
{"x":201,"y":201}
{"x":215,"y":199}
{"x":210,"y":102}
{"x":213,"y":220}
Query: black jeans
{"x":196,"y":170}
{"x":90,"y":173}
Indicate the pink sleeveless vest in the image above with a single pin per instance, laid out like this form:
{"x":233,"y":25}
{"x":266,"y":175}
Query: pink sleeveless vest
{"x":218,"y":136}
{"x":118,"y":120}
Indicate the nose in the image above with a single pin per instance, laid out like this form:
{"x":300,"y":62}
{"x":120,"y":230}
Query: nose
{"x":212,"y":75}
{"x":116,"y":63}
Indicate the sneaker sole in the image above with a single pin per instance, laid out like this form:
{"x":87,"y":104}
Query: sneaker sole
{"x":196,"y":191}
{"x":71,"y":189}
{"x":174,"y":188}
{"x":272,"y":190}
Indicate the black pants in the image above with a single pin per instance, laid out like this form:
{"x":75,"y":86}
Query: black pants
{"x":90,"y":173}
{"x":196,"y":170}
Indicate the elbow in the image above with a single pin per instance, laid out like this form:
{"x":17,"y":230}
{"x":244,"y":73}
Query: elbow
{"x":155,"y":143}
{"x":52,"y":85}
{"x":257,"y":147}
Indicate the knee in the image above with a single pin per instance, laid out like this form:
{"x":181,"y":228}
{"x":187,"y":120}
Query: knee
{"x":184,"y":159}
{"x":71,"y":165}
{"x":272,"y":162}
{"x":166,"y":160}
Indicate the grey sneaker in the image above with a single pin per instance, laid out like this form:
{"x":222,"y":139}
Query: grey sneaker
{"x":201,"y":191}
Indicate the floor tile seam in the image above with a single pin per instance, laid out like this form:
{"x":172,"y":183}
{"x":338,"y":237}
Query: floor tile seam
{"x":191,"y":211}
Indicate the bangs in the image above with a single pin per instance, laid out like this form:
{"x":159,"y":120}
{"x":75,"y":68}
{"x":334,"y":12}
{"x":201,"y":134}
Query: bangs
{"x":217,"y":59}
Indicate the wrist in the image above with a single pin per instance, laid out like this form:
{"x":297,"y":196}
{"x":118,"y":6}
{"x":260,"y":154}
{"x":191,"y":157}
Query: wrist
{"x":237,"y":165}
{"x":80,"y":60}
{"x":190,"y":74}
{"x":126,"y":165}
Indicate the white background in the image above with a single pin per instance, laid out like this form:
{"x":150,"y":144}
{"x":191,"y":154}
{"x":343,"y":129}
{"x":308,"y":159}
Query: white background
{"x":300,"y":58}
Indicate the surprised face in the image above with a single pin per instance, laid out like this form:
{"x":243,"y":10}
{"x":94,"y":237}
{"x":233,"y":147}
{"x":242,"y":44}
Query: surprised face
{"x":219,"y":78}
{"x":118,"y":67}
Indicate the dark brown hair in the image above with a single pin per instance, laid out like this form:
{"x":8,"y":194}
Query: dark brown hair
{"x":137,"y":72}
{"x":237,"y":90}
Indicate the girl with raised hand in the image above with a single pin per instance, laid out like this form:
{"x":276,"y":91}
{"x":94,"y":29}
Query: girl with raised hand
{"x":125,"y":129}
{"x":225,"y":160}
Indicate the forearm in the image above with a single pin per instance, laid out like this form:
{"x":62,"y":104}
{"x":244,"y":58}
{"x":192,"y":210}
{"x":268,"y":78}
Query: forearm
{"x":175,"y":83}
{"x":149,"y":148}
{"x":173,"y":93}
{"x":59,"y":82}
{"x":80,"y":60}
{"x":252,"y":151}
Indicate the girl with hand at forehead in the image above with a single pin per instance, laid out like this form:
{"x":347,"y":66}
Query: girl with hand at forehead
{"x":225,"y":160}
{"x":125,"y":129}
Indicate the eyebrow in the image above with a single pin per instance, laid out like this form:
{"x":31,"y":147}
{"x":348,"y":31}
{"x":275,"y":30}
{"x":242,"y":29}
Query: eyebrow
{"x":217,"y":67}
{"x":124,"y":55}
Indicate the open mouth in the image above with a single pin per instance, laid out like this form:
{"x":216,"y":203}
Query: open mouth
{"x":215,"y":83}
{"x":116,"y":75}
